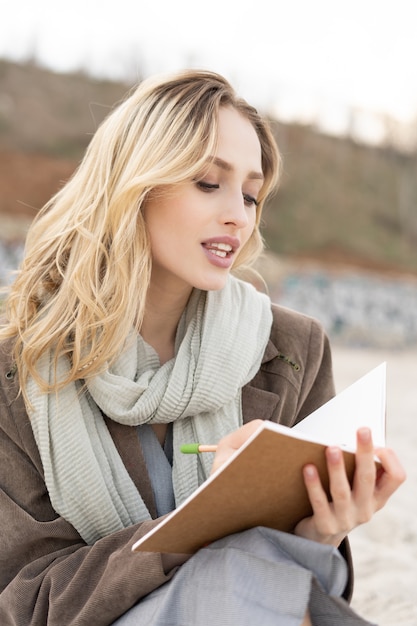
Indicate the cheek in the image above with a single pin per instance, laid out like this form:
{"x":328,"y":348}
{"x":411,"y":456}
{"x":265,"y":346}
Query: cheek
{"x":158,"y":216}
{"x":249,"y":243}
{"x":253,"y":222}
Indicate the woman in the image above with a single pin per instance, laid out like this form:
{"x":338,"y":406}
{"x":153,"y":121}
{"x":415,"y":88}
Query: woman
{"x":126,"y":335}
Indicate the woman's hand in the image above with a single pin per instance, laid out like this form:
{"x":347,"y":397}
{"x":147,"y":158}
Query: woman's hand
{"x":350,"y":506}
{"x":232,"y":442}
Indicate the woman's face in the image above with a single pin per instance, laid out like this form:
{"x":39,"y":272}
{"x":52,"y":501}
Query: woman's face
{"x":197,"y":228}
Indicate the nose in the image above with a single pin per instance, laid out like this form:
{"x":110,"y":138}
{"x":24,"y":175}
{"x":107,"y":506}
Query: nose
{"x":234,"y":211}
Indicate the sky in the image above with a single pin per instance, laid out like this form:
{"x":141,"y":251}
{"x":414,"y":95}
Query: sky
{"x":303,"y":60}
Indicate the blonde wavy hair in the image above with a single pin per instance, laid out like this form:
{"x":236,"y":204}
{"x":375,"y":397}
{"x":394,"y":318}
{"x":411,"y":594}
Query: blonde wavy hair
{"x":83,"y":282}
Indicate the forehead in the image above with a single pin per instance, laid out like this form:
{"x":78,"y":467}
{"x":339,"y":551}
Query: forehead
{"x":238,"y":143}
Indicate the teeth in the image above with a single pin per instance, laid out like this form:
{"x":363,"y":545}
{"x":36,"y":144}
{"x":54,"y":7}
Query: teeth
{"x":219,"y":249}
{"x":223,"y":246}
{"x":220,"y":246}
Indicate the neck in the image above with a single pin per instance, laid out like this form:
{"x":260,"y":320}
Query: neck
{"x":162,"y":313}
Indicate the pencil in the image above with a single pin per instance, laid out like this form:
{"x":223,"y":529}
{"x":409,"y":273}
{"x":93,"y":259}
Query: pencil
{"x":196,"y":448}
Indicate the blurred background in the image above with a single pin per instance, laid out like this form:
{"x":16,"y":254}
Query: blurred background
{"x":338,"y":81}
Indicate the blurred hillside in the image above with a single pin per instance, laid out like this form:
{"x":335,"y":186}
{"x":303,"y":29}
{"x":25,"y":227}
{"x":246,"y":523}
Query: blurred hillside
{"x":339,"y":202}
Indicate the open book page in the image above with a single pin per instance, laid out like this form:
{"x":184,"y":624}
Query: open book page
{"x":262,"y":483}
{"x":361,"y":404}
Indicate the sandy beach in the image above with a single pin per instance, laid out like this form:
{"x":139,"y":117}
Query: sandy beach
{"x":385,"y":550}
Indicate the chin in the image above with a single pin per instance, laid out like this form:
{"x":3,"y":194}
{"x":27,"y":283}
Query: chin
{"x":212,"y":284}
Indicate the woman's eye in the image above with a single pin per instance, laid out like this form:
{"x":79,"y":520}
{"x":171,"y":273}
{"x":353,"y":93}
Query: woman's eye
{"x":207,"y":187}
{"x":250,"y":200}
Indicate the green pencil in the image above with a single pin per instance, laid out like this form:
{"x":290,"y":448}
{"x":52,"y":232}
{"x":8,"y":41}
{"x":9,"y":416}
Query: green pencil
{"x":196,"y":448}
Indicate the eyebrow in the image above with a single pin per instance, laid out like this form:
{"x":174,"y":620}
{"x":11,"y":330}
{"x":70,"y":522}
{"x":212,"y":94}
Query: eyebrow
{"x":227,"y":167}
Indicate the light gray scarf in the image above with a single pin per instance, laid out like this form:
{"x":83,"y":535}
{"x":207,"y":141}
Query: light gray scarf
{"x":220,"y":342}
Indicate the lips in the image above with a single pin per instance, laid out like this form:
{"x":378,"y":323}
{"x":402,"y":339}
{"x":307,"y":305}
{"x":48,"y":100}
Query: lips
{"x":222,"y":247}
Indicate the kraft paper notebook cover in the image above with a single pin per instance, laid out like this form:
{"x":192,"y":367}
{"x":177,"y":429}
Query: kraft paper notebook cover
{"x":262,"y":483}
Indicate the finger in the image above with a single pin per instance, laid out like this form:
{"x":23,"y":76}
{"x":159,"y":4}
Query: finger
{"x":340,"y":489}
{"x":323,"y":526}
{"x":316,"y":493}
{"x":364,"y":444}
{"x":365,"y":475}
{"x":390,"y":476}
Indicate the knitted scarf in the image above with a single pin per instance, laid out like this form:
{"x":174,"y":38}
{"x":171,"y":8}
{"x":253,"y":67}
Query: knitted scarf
{"x":220,"y":342}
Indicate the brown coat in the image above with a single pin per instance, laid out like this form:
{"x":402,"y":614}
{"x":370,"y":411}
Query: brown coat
{"x":48,"y":575}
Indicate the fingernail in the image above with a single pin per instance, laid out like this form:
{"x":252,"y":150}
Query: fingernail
{"x":364,"y":435}
{"x":334,"y":453}
{"x":310,"y":471}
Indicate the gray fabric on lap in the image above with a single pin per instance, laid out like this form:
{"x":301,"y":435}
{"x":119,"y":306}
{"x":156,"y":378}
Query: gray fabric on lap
{"x":260,"y":576}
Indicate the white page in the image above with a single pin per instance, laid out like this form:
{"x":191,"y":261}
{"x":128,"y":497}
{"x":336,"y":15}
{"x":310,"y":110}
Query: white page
{"x":361,"y":404}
